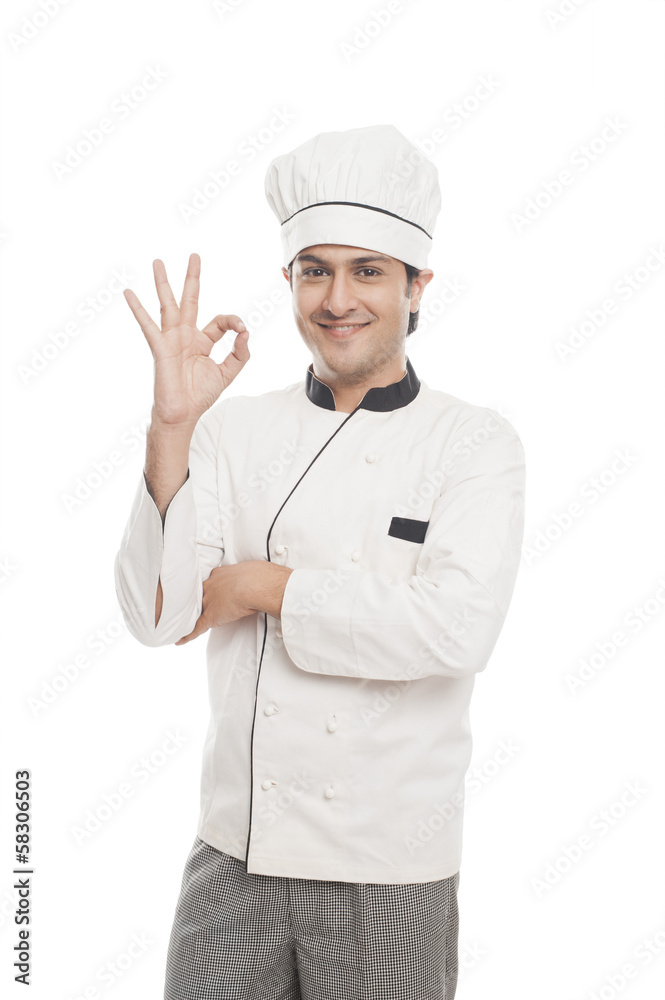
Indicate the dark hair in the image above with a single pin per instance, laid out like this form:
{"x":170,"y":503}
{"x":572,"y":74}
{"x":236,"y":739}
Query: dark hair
{"x":411,"y":273}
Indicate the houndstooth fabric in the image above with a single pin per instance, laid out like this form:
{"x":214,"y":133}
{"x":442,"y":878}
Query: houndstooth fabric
{"x":243,"y":936}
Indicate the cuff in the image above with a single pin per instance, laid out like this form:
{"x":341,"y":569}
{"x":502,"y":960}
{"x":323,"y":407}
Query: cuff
{"x":316,"y":620}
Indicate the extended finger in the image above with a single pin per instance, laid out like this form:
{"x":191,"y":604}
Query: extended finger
{"x":169,"y":311}
{"x":189,"y":303}
{"x":145,"y":321}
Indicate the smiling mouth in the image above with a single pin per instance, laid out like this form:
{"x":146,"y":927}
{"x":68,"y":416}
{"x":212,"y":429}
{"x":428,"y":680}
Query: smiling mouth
{"x":342,"y":329}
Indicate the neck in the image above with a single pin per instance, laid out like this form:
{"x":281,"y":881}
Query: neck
{"x":349,"y":389}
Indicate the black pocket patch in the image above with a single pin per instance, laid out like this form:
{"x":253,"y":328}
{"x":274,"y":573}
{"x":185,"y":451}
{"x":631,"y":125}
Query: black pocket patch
{"x":408,"y":528}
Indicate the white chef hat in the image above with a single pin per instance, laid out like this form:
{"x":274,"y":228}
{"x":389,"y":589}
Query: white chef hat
{"x":366,"y":187}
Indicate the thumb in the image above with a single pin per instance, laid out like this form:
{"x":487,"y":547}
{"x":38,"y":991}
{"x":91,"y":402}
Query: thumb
{"x":238,"y":357}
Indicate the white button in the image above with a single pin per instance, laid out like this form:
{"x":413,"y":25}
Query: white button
{"x":266,"y":784}
{"x":355,"y":555}
{"x":278,"y":632}
{"x":270,"y":710}
{"x":279,"y":549}
{"x":371,"y":457}
{"x":329,"y":792}
{"x":332,"y":726}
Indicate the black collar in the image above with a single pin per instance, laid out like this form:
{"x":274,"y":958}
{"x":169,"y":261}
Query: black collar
{"x":383,"y":398}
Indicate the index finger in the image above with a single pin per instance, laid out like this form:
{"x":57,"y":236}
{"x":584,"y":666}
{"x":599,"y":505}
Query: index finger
{"x":189,"y":303}
{"x":143,"y":318}
{"x":198,"y":630}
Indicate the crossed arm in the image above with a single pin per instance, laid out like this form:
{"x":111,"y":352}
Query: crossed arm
{"x":240,"y":589}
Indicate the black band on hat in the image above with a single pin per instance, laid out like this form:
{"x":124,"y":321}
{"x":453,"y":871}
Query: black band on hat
{"x":358,"y":204}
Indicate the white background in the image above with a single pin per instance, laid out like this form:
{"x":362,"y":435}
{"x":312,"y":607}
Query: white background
{"x":552,"y":85}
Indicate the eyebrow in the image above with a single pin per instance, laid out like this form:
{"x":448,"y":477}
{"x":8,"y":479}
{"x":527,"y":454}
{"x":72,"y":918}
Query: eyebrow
{"x":312,"y":259}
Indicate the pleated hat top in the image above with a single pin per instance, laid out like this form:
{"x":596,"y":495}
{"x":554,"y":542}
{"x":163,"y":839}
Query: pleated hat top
{"x":365,"y":187}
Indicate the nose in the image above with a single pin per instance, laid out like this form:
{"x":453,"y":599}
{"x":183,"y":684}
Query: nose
{"x":340,"y":297}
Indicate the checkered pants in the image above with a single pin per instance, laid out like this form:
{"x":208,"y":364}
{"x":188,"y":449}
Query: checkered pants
{"x":242,"y":936}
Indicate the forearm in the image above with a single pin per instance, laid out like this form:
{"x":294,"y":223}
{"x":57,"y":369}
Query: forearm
{"x":166,"y":464}
{"x":167,"y":460}
{"x":158,"y":574}
{"x":264,"y":586}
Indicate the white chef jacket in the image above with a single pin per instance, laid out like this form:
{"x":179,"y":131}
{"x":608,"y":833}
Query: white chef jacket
{"x":339,"y":735}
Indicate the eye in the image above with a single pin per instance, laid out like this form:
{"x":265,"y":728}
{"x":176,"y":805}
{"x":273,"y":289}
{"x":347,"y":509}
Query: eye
{"x":316,"y":271}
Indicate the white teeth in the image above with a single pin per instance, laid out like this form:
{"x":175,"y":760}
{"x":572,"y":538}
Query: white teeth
{"x":345,"y":328}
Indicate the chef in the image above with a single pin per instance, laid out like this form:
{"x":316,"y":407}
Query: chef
{"x":349,"y":544}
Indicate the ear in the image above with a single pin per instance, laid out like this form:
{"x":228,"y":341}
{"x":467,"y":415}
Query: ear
{"x":418,"y":287}
{"x":285,"y":273}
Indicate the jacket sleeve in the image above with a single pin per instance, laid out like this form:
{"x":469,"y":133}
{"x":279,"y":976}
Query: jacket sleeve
{"x":446,"y":618}
{"x":182,"y":551}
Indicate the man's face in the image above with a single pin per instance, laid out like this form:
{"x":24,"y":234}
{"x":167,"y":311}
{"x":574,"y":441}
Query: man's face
{"x":351,"y":308}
